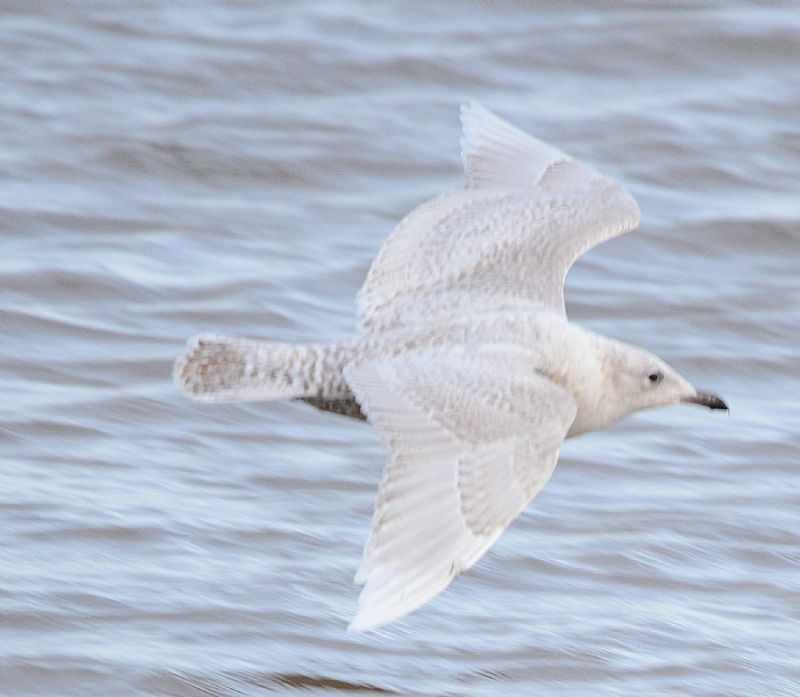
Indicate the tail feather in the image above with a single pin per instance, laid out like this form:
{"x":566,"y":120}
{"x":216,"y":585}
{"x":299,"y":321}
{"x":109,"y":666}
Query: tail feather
{"x":216,"y":368}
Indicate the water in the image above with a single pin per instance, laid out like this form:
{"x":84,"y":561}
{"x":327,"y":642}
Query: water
{"x":167,"y":170}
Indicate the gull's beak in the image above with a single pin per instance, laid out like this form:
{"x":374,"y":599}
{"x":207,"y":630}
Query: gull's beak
{"x":706,"y":399}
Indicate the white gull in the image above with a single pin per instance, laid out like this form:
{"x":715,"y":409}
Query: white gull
{"x":465,"y":362}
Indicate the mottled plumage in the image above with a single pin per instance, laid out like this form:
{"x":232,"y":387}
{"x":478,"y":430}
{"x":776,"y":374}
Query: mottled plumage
{"x":466,"y":363}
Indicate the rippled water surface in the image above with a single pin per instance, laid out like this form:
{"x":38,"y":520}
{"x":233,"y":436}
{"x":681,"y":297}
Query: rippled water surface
{"x":171,"y":168}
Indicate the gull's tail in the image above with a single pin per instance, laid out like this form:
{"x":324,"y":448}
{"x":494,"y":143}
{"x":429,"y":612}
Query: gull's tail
{"x":216,"y":368}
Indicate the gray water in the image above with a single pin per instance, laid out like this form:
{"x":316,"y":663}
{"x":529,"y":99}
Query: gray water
{"x":172,"y":168}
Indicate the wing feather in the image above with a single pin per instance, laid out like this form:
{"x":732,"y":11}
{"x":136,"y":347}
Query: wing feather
{"x":468,"y":449}
{"x":527,"y":213}
{"x":497,"y":155}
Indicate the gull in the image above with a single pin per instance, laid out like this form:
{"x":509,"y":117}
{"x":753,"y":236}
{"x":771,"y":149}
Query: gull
{"x":465,"y":361}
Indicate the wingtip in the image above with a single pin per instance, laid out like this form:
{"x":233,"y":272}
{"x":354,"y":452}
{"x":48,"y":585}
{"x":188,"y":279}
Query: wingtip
{"x":468,"y":112}
{"x":468,"y":107}
{"x":357,"y":626}
{"x":368,"y":619}
{"x":471,"y":112}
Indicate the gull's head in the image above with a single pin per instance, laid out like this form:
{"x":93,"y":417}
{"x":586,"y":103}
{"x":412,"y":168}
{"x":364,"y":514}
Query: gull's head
{"x":643,"y":380}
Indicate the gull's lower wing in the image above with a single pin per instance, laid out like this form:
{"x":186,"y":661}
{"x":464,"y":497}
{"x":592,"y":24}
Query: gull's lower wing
{"x":527,"y":213}
{"x":472,"y":436}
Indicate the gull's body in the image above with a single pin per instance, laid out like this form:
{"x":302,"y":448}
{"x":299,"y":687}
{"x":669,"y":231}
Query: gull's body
{"x":466,"y":362}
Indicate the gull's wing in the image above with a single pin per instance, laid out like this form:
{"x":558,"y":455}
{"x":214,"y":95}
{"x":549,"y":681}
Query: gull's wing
{"x":472,"y":435}
{"x":528,"y":211}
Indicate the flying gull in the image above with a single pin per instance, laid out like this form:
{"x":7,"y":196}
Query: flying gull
{"x":465,"y":361}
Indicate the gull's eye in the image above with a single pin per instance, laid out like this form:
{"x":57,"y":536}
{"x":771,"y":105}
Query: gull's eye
{"x":655,"y":377}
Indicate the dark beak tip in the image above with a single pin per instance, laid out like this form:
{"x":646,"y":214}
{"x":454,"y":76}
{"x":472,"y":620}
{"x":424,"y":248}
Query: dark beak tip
{"x":706,"y":399}
{"x":717,"y":403}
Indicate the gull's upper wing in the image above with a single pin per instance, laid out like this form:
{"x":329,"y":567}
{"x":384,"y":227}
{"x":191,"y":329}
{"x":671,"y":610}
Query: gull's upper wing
{"x":497,"y":155}
{"x":528,"y":211}
{"x":472,"y":435}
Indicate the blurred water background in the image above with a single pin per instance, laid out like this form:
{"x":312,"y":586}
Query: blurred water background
{"x":171,"y":168}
